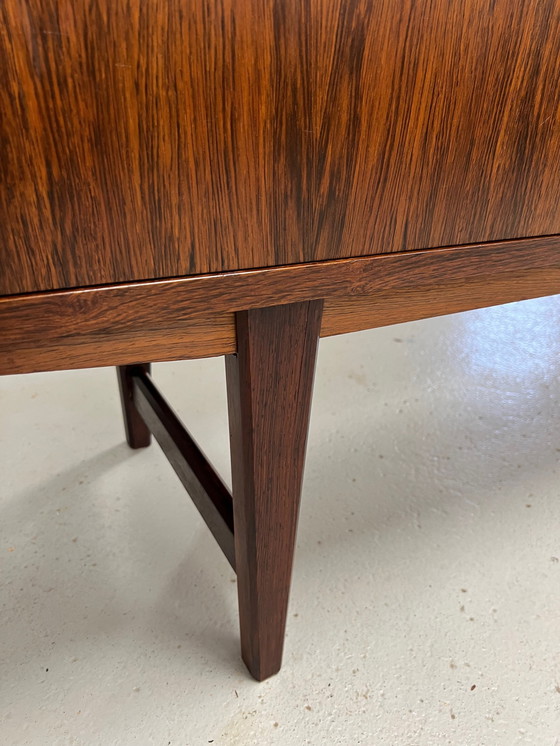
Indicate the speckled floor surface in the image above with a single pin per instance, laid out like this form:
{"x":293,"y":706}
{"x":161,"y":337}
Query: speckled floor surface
{"x":426,"y":598}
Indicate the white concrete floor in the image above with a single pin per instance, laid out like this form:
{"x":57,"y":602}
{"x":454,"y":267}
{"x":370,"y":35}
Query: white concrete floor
{"x":425,"y":606}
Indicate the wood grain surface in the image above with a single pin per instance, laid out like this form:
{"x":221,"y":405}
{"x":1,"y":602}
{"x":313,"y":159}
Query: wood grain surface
{"x":137,"y":432}
{"x":149,"y":139}
{"x":269,"y":385}
{"x":169,"y":319}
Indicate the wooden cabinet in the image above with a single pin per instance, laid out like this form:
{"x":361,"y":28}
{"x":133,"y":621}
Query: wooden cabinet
{"x":179,"y":178}
{"x":157,"y":139}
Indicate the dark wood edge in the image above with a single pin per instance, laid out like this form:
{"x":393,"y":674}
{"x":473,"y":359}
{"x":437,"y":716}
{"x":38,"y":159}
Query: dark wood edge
{"x":207,"y":491}
{"x":354,"y":313}
{"x":194,"y":316}
{"x":137,"y":432}
{"x":269,"y":387}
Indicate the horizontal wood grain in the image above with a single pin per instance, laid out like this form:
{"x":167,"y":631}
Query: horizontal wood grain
{"x":352,"y":313}
{"x":79,"y":346}
{"x":194,"y":317}
{"x":143,"y":140}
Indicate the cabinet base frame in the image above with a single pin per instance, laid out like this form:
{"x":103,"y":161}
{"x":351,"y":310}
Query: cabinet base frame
{"x":194,"y":317}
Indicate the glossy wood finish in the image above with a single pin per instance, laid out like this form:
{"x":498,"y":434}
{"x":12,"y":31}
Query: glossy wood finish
{"x":269,"y":383}
{"x":168,"y":320}
{"x":155,"y":139}
{"x":207,"y":491}
{"x":136,"y":430}
{"x":106,"y":334}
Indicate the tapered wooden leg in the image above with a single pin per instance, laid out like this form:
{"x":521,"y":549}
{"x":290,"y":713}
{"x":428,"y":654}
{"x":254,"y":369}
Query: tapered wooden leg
{"x":269,"y":383}
{"x":137,"y":433}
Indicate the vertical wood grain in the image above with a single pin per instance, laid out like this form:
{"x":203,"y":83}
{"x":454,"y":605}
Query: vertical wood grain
{"x":145,"y":139}
{"x":136,"y":431}
{"x":269,"y":383}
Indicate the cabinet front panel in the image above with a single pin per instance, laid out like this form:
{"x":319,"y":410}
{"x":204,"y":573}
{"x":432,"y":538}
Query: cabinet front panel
{"x":161,"y":138}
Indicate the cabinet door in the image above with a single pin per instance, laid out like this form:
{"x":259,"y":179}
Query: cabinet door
{"x":160,"y":138}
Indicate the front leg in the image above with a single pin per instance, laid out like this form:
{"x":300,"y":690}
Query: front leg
{"x":269,"y":383}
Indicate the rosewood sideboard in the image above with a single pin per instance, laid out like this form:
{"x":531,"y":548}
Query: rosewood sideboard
{"x":192,"y":178}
